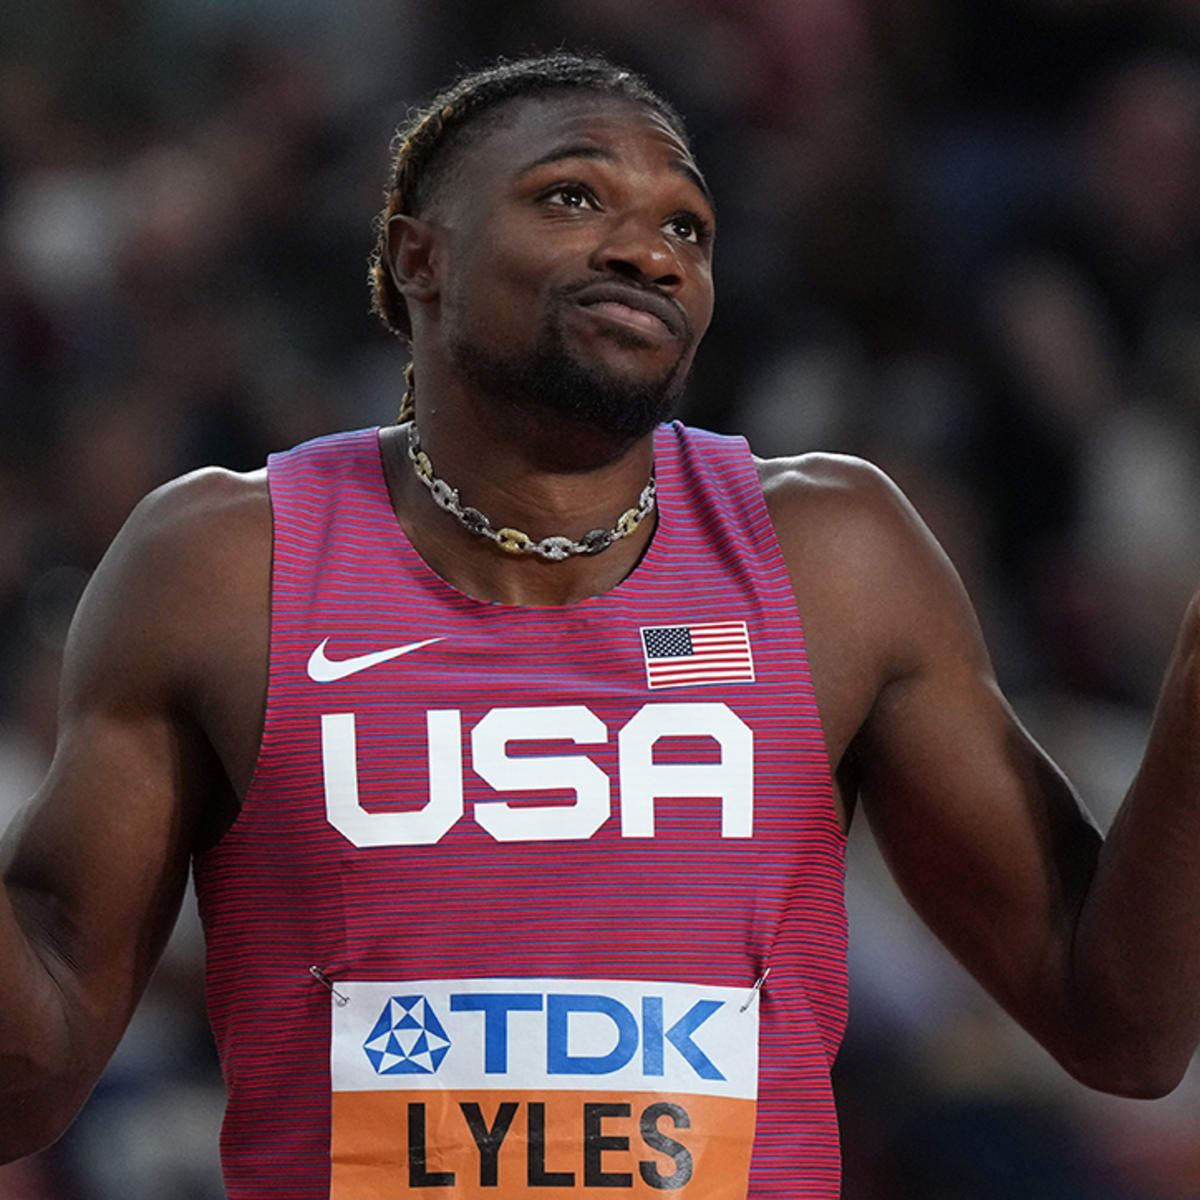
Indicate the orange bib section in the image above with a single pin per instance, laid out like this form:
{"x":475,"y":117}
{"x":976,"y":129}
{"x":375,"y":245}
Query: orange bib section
{"x":480,"y":1145}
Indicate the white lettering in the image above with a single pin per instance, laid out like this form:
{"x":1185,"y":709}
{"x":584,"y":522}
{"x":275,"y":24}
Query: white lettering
{"x":533,"y":773}
{"x":423,"y":827}
{"x":643,"y":780}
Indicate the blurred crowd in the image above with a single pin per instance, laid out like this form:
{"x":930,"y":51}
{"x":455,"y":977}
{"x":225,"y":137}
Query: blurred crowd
{"x":959,"y":237}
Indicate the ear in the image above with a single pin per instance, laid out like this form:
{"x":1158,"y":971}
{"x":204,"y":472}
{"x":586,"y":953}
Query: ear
{"x":414,"y":257}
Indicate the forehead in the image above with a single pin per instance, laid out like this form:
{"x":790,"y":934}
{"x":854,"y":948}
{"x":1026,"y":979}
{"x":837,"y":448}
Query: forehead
{"x":539,"y":129}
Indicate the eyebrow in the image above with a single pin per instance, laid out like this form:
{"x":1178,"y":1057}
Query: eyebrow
{"x":589,"y":150}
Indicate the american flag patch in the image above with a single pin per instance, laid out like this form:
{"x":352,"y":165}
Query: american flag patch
{"x":681,"y":655}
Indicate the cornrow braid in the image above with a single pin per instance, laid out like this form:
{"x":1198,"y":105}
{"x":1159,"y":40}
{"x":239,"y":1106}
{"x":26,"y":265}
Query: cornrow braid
{"x":423,"y":150}
{"x":408,"y":406}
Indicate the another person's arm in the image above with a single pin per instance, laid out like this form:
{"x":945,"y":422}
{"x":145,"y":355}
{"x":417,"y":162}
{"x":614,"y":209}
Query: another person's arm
{"x":95,"y":866}
{"x":1092,"y":944}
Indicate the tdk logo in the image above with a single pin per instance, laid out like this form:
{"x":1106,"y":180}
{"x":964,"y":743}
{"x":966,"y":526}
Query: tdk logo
{"x":408,"y":1039}
{"x":584,"y":1034}
{"x":569,"y":1035}
{"x":588,"y":1034}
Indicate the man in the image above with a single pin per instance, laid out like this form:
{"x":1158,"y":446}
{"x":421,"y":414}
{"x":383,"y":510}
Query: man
{"x":515,"y":786}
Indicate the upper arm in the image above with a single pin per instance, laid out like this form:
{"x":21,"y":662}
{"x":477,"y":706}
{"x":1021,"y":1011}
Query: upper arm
{"x":96,"y":863}
{"x":983,"y":834}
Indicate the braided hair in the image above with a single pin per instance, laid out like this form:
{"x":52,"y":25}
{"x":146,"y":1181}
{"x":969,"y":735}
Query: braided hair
{"x":424,"y":149}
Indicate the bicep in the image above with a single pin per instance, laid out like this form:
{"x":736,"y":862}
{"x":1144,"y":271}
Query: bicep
{"x":984,"y":835}
{"x":96,"y":863}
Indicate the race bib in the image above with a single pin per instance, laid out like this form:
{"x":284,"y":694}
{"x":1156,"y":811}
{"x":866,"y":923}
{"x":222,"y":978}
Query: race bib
{"x":522,"y":1088}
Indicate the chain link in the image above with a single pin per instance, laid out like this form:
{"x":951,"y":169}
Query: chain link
{"x":554,"y":548}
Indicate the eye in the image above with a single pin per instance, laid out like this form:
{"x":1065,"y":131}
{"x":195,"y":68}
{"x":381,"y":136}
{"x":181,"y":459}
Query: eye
{"x":570,"y":195}
{"x":688,"y":227}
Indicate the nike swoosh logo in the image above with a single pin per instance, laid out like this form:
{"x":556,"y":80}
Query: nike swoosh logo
{"x":325,"y":670}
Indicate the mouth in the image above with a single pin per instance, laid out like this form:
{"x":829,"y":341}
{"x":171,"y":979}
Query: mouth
{"x":647,"y":312}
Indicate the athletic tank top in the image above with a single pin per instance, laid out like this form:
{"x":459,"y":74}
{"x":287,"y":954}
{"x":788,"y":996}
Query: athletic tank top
{"x":530,"y":901}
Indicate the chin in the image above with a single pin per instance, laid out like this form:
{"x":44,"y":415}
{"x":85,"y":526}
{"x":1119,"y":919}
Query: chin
{"x":622,"y":405}
{"x":553,"y":381}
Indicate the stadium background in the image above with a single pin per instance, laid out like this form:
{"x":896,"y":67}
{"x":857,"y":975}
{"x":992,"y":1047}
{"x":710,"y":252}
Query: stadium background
{"x":960,"y":237}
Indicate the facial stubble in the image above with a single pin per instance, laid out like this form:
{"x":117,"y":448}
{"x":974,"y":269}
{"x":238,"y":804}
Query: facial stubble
{"x":551,"y":380}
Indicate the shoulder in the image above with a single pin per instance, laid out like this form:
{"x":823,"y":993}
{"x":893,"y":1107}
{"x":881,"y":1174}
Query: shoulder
{"x":206,"y":504}
{"x":840,"y":505}
{"x":809,"y":478}
{"x":863,"y":563}
{"x":202,"y":521}
{"x":191,"y":563}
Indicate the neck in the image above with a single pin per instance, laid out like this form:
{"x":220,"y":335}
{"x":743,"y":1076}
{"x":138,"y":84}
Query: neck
{"x":537,"y":486}
{"x":553,"y":548}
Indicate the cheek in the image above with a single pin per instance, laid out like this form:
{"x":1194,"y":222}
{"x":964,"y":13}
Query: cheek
{"x":493,"y":295}
{"x":702,"y":307}
{"x":476,"y":303}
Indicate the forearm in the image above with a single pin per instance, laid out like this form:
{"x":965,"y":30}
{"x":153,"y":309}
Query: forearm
{"x":1135,"y":962}
{"x":39,"y":1086}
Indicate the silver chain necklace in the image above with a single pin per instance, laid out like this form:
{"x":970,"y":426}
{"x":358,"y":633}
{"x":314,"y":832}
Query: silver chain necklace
{"x":554,"y":548}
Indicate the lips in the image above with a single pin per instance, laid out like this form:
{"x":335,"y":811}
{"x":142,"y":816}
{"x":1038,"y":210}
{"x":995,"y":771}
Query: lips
{"x":615,"y":297}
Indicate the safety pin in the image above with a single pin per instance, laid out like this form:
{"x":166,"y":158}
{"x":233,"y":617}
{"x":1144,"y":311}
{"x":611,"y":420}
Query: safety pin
{"x":320,"y":976}
{"x":755,"y":989}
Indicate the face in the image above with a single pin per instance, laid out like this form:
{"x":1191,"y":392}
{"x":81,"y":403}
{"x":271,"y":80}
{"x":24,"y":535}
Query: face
{"x":577,"y":273}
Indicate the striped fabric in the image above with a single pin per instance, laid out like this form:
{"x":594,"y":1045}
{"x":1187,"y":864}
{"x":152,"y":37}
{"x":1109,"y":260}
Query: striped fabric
{"x":690,"y":899}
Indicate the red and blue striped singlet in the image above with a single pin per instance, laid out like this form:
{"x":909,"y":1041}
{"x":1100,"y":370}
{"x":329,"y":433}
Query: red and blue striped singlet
{"x":530,"y":901}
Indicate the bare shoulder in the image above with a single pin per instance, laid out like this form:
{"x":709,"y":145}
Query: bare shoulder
{"x":175,"y":623}
{"x":192,"y":561}
{"x":877,"y":595}
{"x":210,"y":510}
{"x":192,"y":537}
{"x":842,"y":518}
{"x":807,"y":494}
{"x":818,"y":468}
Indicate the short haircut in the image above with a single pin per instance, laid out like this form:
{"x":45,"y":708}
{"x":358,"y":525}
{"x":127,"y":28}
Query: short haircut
{"x":426,"y":148}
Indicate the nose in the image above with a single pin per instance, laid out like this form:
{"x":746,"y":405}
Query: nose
{"x":638,"y":250}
